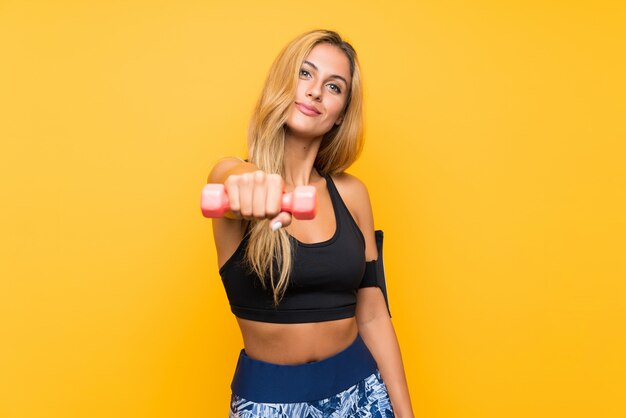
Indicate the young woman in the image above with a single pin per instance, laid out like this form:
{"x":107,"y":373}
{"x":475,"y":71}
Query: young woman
{"x":308,"y":295}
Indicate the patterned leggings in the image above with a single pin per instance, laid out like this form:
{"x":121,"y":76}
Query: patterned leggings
{"x":345,"y":385}
{"x":366,"y":399}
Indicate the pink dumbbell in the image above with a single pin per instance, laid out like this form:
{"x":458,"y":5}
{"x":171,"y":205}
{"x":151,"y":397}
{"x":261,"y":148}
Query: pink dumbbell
{"x":300,"y":202}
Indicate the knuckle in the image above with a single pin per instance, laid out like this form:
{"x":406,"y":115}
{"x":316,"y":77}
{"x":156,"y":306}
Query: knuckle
{"x":231,"y":180}
{"x":245,"y":178}
{"x":259,"y":176}
{"x":275,"y":179}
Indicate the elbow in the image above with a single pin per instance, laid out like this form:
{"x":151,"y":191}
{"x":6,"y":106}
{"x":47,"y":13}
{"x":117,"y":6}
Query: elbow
{"x":368,"y":317}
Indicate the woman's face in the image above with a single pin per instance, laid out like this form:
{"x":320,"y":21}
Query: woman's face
{"x":321,"y":93}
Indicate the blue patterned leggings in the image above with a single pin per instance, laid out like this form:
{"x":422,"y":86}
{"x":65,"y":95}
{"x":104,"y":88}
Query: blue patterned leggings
{"x":346,"y":385}
{"x":366,"y":399}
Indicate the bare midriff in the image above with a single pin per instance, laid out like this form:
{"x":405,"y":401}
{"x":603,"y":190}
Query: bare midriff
{"x":296,"y":343}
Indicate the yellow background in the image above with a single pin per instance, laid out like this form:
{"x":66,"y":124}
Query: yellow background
{"x":495,"y":160}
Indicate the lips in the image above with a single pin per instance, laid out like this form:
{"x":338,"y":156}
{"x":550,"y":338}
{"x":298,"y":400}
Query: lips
{"x":307,"y":110}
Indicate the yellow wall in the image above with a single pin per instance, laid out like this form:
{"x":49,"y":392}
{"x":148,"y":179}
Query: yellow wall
{"x":495,"y":161}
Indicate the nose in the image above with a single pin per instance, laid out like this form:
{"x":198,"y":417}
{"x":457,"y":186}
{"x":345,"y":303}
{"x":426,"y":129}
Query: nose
{"x":313,"y":92}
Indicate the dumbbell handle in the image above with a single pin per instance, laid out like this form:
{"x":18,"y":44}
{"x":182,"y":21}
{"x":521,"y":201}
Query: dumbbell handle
{"x":301,"y":202}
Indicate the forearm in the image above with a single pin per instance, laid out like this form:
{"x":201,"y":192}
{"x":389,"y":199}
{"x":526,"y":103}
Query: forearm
{"x":380,"y":337}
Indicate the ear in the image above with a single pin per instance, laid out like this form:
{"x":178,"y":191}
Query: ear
{"x":339,"y":120}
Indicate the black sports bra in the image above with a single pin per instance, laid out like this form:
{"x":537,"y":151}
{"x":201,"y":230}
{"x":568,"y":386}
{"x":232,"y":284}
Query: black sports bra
{"x":323,"y":283}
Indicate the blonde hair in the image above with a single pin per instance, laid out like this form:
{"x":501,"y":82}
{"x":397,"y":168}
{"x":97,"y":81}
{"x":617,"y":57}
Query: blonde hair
{"x":269,"y":254}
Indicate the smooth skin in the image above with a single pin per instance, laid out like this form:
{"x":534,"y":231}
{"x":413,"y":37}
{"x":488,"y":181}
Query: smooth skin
{"x":253,"y":194}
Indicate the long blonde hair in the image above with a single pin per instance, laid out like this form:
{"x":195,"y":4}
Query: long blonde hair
{"x":269,"y":254}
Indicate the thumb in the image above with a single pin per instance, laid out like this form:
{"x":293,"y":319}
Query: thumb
{"x":281,"y":220}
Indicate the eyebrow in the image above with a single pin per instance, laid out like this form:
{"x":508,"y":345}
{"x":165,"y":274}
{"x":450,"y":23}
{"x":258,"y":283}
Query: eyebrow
{"x":332,"y":76}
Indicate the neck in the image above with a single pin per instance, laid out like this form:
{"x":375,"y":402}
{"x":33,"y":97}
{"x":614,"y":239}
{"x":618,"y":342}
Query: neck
{"x":299,"y":159}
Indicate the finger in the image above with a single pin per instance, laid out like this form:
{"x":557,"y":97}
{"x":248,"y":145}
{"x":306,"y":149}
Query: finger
{"x":245,"y":195}
{"x":259,"y":193}
{"x":281,"y":221}
{"x":275,"y":187}
{"x":232,"y":190}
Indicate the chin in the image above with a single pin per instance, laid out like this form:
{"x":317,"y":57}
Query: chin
{"x":302,"y":131}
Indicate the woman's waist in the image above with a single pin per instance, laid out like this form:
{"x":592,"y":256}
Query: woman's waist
{"x":262,"y":381}
{"x":292,"y":344}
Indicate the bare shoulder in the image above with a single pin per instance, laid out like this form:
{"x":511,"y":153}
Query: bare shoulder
{"x":355,"y":195}
{"x":350,"y":186}
{"x":222,"y":166}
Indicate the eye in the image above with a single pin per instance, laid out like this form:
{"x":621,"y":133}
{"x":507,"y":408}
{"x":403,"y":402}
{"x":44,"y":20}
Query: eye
{"x":304,"y":72}
{"x":335,"y":88}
